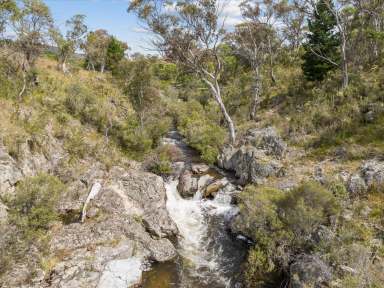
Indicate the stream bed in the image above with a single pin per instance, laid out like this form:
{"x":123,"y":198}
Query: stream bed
{"x":209,"y":256}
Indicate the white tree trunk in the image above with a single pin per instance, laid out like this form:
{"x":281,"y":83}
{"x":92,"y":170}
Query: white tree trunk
{"x":344,"y":62}
{"x":216,"y":92}
{"x":256,"y":95}
{"x":64,"y":67}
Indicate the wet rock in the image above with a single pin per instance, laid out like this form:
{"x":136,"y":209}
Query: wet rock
{"x":212,"y":189}
{"x":204,"y":181}
{"x":188,"y":184}
{"x":266,"y":139}
{"x":309,"y":271}
{"x":178,"y":168}
{"x":199,"y":168}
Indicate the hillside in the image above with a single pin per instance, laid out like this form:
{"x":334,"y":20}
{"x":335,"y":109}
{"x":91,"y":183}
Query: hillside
{"x":250,"y":156}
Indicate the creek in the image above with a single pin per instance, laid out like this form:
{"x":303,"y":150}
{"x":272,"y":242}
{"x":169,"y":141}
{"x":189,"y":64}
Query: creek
{"x":209,"y":255}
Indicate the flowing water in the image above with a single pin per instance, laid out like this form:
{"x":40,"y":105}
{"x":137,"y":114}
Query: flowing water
{"x":208,"y":255}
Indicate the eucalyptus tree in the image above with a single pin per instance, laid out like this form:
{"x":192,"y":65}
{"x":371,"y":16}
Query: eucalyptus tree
{"x":31,"y":26}
{"x":96,"y":49}
{"x":189,"y":33}
{"x":67,"y":45}
{"x":250,"y":40}
{"x":267,"y":13}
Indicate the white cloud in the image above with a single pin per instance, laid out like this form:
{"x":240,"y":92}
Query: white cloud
{"x":232,"y":13}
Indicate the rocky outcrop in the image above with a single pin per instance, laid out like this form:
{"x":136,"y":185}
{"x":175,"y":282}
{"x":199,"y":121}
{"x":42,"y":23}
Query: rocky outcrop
{"x":266,"y":139}
{"x":370,"y":175}
{"x":129,"y":226}
{"x":250,"y":164}
{"x":257,"y":158}
{"x":125,"y":223}
{"x":309,"y":271}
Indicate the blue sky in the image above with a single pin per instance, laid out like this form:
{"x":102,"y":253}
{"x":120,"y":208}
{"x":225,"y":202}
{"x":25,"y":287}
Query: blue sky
{"x":112,"y":16}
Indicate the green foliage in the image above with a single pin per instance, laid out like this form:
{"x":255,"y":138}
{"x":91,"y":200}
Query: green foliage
{"x":115,"y":53}
{"x":282,"y":224}
{"x":162,"y":159}
{"x":33,"y":208}
{"x":322,"y":41}
{"x":200,"y":129}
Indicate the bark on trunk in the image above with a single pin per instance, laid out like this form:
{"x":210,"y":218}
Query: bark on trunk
{"x":344,"y":64}
{"x":64,"y":67}
{"x":256,"y":96}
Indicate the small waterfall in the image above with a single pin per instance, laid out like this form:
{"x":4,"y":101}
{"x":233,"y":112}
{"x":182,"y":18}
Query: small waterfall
{"x":209,"y":256}
{"x":191,"y":217}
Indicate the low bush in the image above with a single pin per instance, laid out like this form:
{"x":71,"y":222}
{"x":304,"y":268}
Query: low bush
{"x":282,"y":224}
{"x":31,"y":212}
{"x":160,"y":162}
{"x":33,"y":208}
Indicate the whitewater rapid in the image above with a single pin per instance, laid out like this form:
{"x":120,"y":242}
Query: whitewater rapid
{"x":201,"y":255}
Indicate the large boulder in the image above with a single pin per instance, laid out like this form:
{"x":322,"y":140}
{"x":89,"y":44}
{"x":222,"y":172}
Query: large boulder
{"x":212,"y":189}
{"x":370,"y":175}
{"x":309,"y":271}
{"x":257,"y":157}
{"x":188,"y":184}
{"x":250,"y":164}
{"x":266,"y":139}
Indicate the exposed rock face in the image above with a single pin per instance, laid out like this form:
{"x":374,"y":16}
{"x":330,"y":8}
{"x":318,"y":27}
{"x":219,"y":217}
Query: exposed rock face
{"x":257,"y":157}
{"x":309,"y":271}
{"x":266,"y":139}
{"x":369,"y":175}
{"x":250,"y":164}
{"x":3,"y":214}
{"x":127,"y":222}
{"x":131,"y":224}
{"x":10,"y":174}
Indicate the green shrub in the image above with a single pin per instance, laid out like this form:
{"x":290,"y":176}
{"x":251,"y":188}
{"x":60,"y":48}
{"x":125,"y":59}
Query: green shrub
{"x":162,"y":158}
{"x":76,"y":145}
{"x":281,"y":225}
{"x":33,"y":208}
{"x":303,"y":209}
{"x":200,"y":129}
